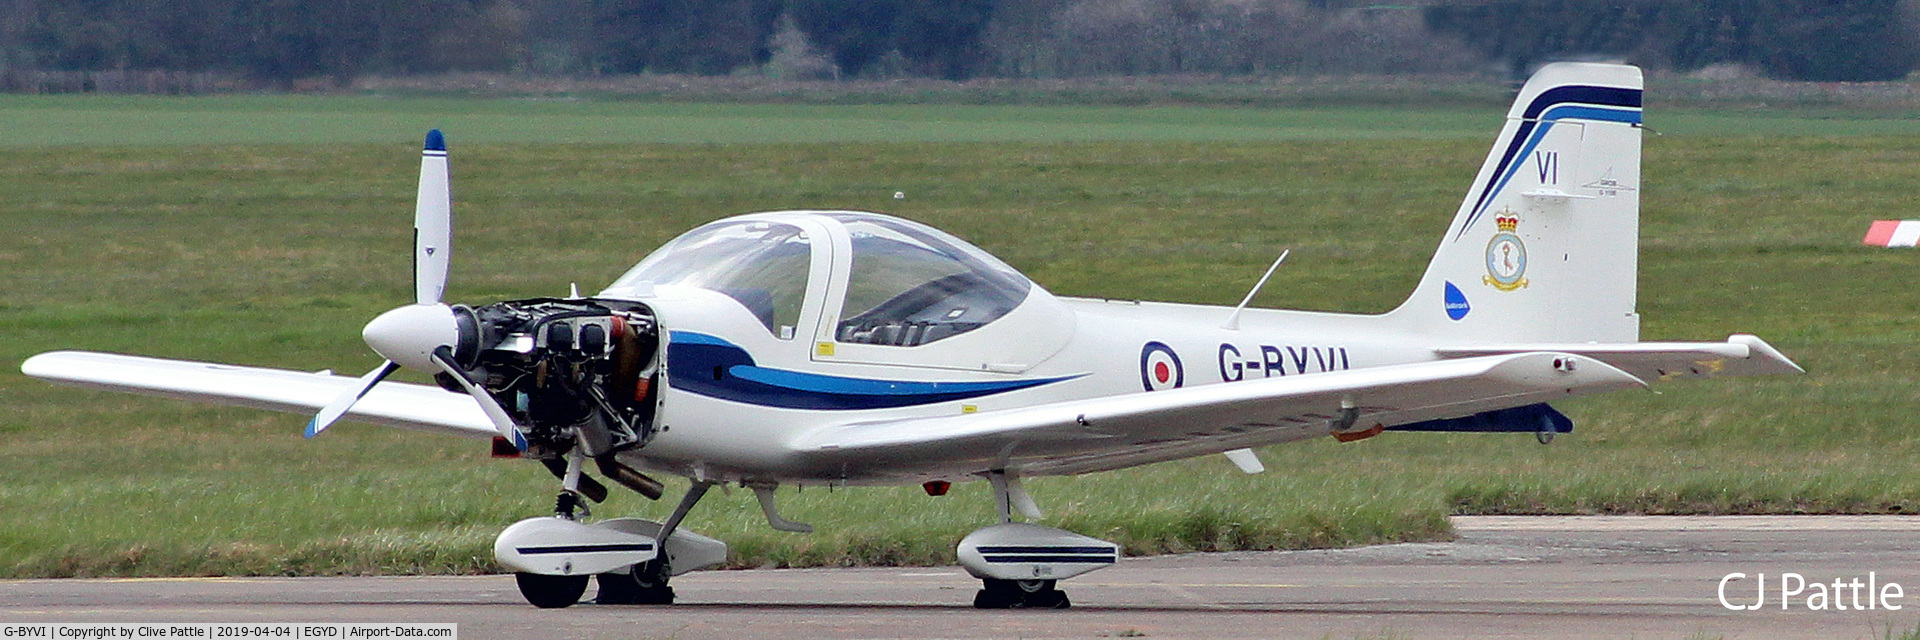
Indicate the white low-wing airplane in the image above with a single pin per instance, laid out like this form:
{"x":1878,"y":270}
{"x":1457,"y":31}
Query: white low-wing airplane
{"x":851,"y":348}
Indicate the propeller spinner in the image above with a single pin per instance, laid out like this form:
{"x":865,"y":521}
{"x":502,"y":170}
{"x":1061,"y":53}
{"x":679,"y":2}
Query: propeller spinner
{"x":427,"y":335}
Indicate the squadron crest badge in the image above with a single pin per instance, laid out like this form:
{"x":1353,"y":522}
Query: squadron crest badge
{"x":1506,"y":256}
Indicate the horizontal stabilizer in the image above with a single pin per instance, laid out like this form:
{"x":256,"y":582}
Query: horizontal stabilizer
{"x":1740,"y":355}
{"x":392,"y":404}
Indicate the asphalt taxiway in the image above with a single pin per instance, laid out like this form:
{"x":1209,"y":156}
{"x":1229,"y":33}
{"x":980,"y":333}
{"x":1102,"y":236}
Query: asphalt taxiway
{"x":1518,"y":577}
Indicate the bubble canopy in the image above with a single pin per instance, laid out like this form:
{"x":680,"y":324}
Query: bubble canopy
{"x":911,"y":284}
{"x":907,"y":284}
{"x":762,"y":265}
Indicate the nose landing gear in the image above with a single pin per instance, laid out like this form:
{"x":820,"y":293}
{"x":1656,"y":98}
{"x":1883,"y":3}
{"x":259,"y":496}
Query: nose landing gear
{"x":632,"y":559}
{"x":644,"y":583}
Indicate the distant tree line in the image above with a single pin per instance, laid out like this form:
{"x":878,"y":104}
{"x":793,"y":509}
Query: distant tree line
{"x":289,"y":40}
{"x":1829,"y":40}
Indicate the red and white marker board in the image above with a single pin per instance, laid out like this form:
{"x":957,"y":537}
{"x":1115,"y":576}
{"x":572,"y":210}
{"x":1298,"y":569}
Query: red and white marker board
{"x":1893,"y":233}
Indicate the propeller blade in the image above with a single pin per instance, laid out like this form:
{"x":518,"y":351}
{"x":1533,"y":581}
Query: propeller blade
{"x":443,"y":356}
{"x":432,"y":223}
{"x":339,"y":407}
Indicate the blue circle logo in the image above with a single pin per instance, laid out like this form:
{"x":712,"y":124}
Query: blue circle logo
{"x":1456,"y":303}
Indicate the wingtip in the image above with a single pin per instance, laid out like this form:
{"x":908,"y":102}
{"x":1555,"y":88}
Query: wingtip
{"x":1764,"y":352}
{"x":312,"y":429}
{"x":34,"y":365}
{"x":436,"y":141}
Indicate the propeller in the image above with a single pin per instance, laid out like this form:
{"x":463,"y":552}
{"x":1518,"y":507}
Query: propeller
{"x":444,"y":357}
{"x":432,"y":223}
{"x":334,"y":410}
{"x":427,"y":335}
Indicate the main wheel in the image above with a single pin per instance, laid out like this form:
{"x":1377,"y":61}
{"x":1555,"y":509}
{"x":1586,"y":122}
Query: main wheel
{"x":550,"y":592}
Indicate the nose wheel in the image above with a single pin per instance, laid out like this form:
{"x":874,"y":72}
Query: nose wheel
{"x":645,"y":584}
{"x":1020,"y":594}
{"x":550,"y":592}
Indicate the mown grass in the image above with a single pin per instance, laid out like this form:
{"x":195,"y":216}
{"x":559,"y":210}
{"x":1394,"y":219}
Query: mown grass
{"x":266,"y":119}
{"x":275,"y":254}
{"x":41,"y":121}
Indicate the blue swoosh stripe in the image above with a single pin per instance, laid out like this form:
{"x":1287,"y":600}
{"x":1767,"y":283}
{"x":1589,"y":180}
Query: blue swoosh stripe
{"x":816,"y":383}
{"x":713,"y":367}
{"x":689,"y":337}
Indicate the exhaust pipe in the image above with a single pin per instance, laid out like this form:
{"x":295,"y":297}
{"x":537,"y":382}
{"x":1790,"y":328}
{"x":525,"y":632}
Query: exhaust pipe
{"x":630,"y":478}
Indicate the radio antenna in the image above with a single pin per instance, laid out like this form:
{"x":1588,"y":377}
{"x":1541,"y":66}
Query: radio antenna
{"x":1233,"y":321}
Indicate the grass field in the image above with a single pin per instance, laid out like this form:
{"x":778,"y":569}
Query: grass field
{"x":266,"y":231}
{"x":42,"y":121}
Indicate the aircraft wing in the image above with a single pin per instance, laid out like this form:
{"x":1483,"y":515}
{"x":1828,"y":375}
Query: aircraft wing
{"x":1098,"y":434}
{"x":392,"y":404}
{"x":1740,"y":355}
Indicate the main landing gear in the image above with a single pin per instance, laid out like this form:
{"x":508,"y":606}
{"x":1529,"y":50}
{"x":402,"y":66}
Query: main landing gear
{"x":1020,"y":564}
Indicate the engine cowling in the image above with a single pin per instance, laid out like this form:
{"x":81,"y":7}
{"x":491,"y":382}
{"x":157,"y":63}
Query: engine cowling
{"x":570,"y":372}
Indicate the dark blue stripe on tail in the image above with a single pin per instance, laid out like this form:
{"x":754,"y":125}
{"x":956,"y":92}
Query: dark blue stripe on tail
{"x":1616,"y":97}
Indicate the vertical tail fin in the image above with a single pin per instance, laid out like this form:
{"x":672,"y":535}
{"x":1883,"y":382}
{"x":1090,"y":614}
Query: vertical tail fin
{"x":1545,"y":247}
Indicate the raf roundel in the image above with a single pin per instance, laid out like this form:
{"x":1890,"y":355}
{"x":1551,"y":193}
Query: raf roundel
{"x":1160,"y":368}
